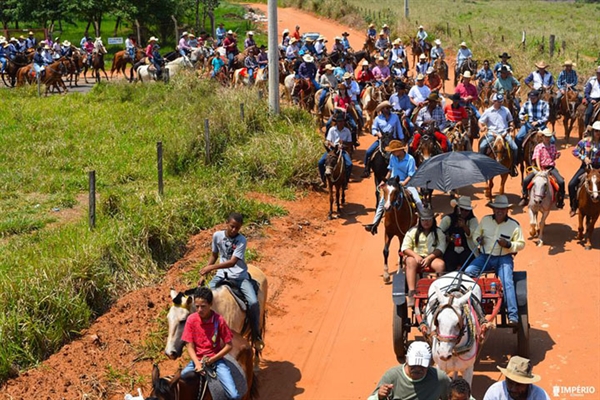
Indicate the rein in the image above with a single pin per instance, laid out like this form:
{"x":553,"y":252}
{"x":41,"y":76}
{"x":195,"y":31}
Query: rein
{"x":340,"y":161}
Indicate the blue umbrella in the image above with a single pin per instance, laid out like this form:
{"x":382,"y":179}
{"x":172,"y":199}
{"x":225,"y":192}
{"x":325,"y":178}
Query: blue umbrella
{"x":456,"y":169}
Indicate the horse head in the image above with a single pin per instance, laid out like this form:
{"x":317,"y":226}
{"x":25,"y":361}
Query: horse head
{"x":428,"y":146}
{"x":332,"y":160}
{"x":164,"y":388}
{"x":592,"y":184}
{"x":448,"y":322}
{"x":392,"y":193}
{"x":540,"y":188}
{"x":498,"y":148}
{"x":183,"y":306}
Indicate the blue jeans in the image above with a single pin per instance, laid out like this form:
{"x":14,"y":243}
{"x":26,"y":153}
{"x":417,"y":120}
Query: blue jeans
{"x":3,"y":62}
{"x":347,"y":161}
{"x":484,"y":143}
{"x":231,"y":58}
{"x":131,"y":52}
{"x":358,"y":109}
{"x":416,"y":198}
{"x":503,"y":266}
{"x":223,"y":375}
{"x":323,"y":96}
{"x":372,"y":149}
{"x":182,"y":52}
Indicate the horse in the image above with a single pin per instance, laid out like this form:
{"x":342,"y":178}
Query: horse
{"x":148,"y":72}
{"x":453,"y":324}
{"x":569,"y":103}
{"x":12,"y":68}
{"x":200,"y":57}
{"x":51,"y":77}
{"x":173,"y":67}
{"x":467,"y":65}
{"x":588,"y":198}
{"x":457,"y":135}
{"x":335,"y":173}
{"x":196,"y":387}
{"x":441,"y":68}
{"x":399,"y":217}
{"x":428,"y":145}
{"x":370,"y":98}
{"x":509,"y":101}
{"x":499,"y":151}
{"x":241,"y":77}
{"x":75,"y":67}
{"x":121,"y":59}
{"x":303,"y":93}
{"x":369,"y":45}
{"x":485,"y":93}
{"x":541,"y":195}
{"x":379,"y":163}
{"x":533,"y":138}
{"x":224,"y":303}
{"x":417,"y":49}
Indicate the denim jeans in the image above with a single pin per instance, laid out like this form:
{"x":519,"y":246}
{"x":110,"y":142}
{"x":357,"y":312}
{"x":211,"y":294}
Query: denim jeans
{"x":323,"y":96}
{"x":415,"y":195}
{"x":484,"y":143}
{"x":3,"y":62}
{"x":503,"y":266}
{"x":223,"y":375}
{"x":370,"y":151}
{"x":347,"y":162}
{"x":573,"y":187}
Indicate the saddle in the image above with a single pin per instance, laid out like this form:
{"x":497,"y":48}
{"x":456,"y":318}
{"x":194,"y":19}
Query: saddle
{"x":244,"y":72}
{"x":237,"y":293}
{"x":530,"y":134}
{"x":552,"y":182}
{"x":215,"y":387}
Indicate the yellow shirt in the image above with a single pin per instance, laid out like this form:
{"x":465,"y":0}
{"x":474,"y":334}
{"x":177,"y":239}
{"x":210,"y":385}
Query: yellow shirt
{"x":491,"y":231}
{"x":425,"y":246}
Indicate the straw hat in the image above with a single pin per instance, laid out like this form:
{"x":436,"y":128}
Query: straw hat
{"x":185,"y":34}
{"x":46,"y":47}
{"x":347,"y":75}
{"x":21,"y":37}
{"x":569,"y":63}
{"x":422,"y":57}
{"x":385,"y":26}
{"x":329,"y":67}
{"x":397,"y":41}
{"x":337,"y":39}
{"x":463,"y":202}
{"x":429,"y":71}
{"x":321,"y":37}
{"x":66,"y":43}
{"x":433,"y":97}
{"x":192,"y":36}
{"x":421,"y":27}
{"x":463,"y":44}
{"x":381,"y":33}
{"x":364,"y":63}
{"x":542,"y":64}
{"x":30,"y":33}
{"x":547,"y":132}
{"x":466,"y":74}
{"x":396,"y":145}
{"x":380,"y":59}
{"x":230,"y":32}
{"x":420,"y":77}
{"x":500,"y":201}
{"x":437,"y":41}
{"x":371,"y":25}
{"x":308,"y":58}
{"x":383,"y":105}
{"x":519,"y":370}
{"x":250,"y":33}
{"x":152,"y":39}
{"x":286,"y":31}
{"x":293,"y":40}
{"x":426,"y":214}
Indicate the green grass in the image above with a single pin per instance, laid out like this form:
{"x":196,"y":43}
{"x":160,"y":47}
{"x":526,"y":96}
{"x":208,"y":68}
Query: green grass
{"x":490,"y":20}
{"x":55,"y":278}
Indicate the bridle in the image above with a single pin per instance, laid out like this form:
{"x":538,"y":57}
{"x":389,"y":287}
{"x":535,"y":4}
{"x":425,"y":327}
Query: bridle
{"x":461,"y":324}
{"x":590,"y":191}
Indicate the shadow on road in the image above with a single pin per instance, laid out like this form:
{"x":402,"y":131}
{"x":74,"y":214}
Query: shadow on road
{"x":278,"y":379}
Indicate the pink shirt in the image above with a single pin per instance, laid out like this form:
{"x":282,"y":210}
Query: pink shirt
{"x":546,"y":155}
{"x":381,"y":72}
{"x":466,"y":90}
{"x":209,"y":337}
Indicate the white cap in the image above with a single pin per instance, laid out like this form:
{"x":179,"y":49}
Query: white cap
{"x":418,"y":354}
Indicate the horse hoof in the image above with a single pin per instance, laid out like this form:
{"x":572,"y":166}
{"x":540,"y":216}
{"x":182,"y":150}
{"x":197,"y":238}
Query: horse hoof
{"x":386,"y":277}
{"x":588,"y":247}
{"x":329,"y":217}
{"x":540,"y":243}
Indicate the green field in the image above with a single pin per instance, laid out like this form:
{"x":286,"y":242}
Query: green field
{"x":56,"y":275}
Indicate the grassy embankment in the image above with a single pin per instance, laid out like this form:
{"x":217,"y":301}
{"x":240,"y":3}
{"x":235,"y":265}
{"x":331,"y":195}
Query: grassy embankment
{"x":490,"y":21}
{"x":56,"y":275}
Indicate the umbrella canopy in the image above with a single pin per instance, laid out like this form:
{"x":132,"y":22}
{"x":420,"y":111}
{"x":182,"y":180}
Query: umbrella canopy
{"x":456,"y":169}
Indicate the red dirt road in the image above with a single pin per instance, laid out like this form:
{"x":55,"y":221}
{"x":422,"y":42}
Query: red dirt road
{"x":329,"y":332}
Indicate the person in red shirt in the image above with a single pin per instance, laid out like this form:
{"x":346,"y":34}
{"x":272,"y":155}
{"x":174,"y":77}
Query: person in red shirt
{"x":364,"y":75}
{"x":296,"y":34}
{"x":468,"y":92}
{"x":454,"y":111}
{"x":231,"y":49}
{"x":209,"y":339}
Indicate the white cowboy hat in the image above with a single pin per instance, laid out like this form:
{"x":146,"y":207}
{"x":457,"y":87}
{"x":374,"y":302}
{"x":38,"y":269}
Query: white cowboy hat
{"x":385,"y":26}
{"x":420,"y":77}
{"x":338,"y":38}
{"x":371,"y":25}
{"x":569,"y":63}
{"x":519,"y":370}
{"x":547,"y":132}
{"x":463,"y":44}
{"x":293,"y":40}
{"x":152,"y":39}
{"x":46,"y":47}
{"x":541,"y":65}
{"x":466,"y":74}
{"x":347,"y":75}
{"x":383,"y":104}
{"x":184,"y":34}
{"x":364,"y":63}
{"x":418,"y":354}
{"x":500,"y":201}
{"x":380,"y":59}
{"x":329,"y":67}
{"x":398,"y":41}
{"x":30,"y":33}
{"x":463,"y":202}
{"x":308,"y":58}
{"x":381,"y":33}
{"x":286,"y":31}
{"x":230,"y":32}
{"x":422,"y":57}
{"x":596,"y":126}
{"x":429,"y":71}
{"x":321,"y":37}
{"x":421,"y":27}
{"x":12,"y":39}
{"x":250,"y":33}
{"x":437,"y":41}
{"x":66,"y":43}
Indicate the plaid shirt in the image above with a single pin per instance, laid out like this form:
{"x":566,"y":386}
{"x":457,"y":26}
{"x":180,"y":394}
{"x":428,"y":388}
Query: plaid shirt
{"x":545,"y":154}
{"x":567,"y":78}
{"x":587,"y":148}
{"x":437,"y":115}
{"x":536,"y":112}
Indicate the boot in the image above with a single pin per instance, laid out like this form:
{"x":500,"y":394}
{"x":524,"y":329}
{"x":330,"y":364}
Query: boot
{"x":560,"y":201}
{"x":254,"y":317}
{"x":410,"y":302}
{"x":367,"y":172}
{"x":513,"y":171}
{"x":523,"y":201}
{"x":373,"y":227}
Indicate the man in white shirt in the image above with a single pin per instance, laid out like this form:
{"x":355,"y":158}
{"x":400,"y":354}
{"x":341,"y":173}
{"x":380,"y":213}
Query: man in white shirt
{"x":519,"y":383}
{"x":337,"y":136}
{"x":419,"y":93}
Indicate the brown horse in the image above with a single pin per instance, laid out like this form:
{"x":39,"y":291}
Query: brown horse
{"x":441,"y":68}
{"x":533,"y":138}
{"x":9,"y":77}
{"x":485,"y":93}
{"x":97,"y":66}
{"x":457,"y":135}
{"x":428,"y":145}
{"x":196,"y":386}
{"x":399,"y":215}
{"x":303,"y":93}
{"x":588,"y":198}
{"x":499,"y":151}
{"x":369,"y":45}
{"x":51,"y":77}
{"x":467,"y":65}
{"x":417,"y":49}
{"x":335,"y":173}
{"x":120,"y":61}
{"x":370,"y":98}
{"x":569,"y":103}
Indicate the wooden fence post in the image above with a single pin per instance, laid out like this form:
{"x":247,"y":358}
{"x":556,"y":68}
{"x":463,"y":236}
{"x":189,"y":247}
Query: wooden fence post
{"x":242,"y":111}
{"x":459,"y":33}
{"x":139,"y":36}
{"x":159,"y":165}
{"x":447,"y":29}
{"x":176,"y":30}
{"x":470,"y":32}
{"x":206,"y":142}
{"x":551,"y":44}
{"x":564,"y":46}
{"x":260,"y":94}
{"x":92,"y":200}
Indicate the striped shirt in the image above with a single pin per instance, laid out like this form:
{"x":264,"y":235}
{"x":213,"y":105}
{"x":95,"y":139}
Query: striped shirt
{"x":455,"y":114}
{"x":536,"y":112}
{"x":437,"y":115}
{"x":546,"y":155}
{"x":566,"y":78}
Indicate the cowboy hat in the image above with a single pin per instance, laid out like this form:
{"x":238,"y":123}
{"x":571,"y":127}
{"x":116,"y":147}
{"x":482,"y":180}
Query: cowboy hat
{"x":420,"y":77}
{"x":429,"y":70}
{"x":184,"y":34}
{"x":381,"y":33}
{"x":383,"y":105}
{"x":345,"y":34}
{"x":30,"y":33}
{"x":286,"y":31}
{"x":12,"y":39}
{"x":293,"y":40}
{"x":418,"y":355}
{"x":395,"y":145}
{"x":364,"y":63}
{"x":347,"y":75}
{"x":422,"y":57}
{"x":342,"y":85}
{"x":463,"y":202}
{"x":66,"y":43}
{"x":519,"y":370}
{"x":569,"y":63}
{"x":598,"y":70}
{"x":463,"y":44}
{"x":337,"y":39}
{"x":192,"y":35}
{"x":421,"y":27}
{"x":152,"y":39}
{"x":397,"y":41}
{"x":466,"y":74}
{"x":230,"y":32}
{"x":596,"y":126}
{"x":433,"y":97}
{"x":21,"y":37}
{"x":541,"y":65}
{"x":385,"y":26}
{"x":398,"y":61}
{"x":371,"y":25}
{"x":505,"y":68}
{"x":534,"y":93}
{"x":340,"y":117}
{"x":380,"y":59}
{"x":309,"y":39}
{"x":547,"y":132}
{"x":321,"y":37}
{"x":455,"y":97}
{"x":250,"y":33}
{"x":426,"y":214}
{"x":46,"y":47}
{"x":504,"y":55}
{"x":308,"y":58}
{"x":500,"y":201}
{"x":329,"y":67}
{"x":437,"y":41}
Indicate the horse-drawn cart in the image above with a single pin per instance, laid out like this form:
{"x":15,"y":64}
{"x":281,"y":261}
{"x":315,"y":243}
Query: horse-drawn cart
{"x":491,"y":305}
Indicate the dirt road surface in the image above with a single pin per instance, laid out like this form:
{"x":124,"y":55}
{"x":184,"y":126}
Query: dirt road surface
{"x":329,"y":331}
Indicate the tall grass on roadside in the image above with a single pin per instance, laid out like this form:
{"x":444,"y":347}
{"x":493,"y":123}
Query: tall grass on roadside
{"x":56,"y":275}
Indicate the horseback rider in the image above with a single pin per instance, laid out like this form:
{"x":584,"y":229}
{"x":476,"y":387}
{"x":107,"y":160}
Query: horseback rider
{"x":3,"y":59}
{"x":506,"y":84}
{"x":398,"y":71}
{"x":251,"y":64}
{"x":320,"y":47}
{"x":533,"y":114}
{"x":249,"y":42}
{"x":365,"y":75}
{"x":542,"y":79}
{"x":229,"y":248}
{"x":386,"y":31}
{"x":130,"y":46}
{"x":47,"y":55}
{"x":423,"y":65}
{"x":545,"y":156}
{"x":308,"y":47}
{"x":38,"y":62}
{"x":308,"y":70}
{"x":83,"y":41}
{"x":328,"y":82}
{"x":592,"y":95}
{"x":372,"y":32}
{"x":342,"y":102}
{"x":437,"y":51}
{"x":31,"y":41}
{"x":382,"y":44}
{"x":588,"y":151}
{"x":431,"y":113}
{"x":381,"y":72}
{"x":220,"y":34}
{"x":183,"y":47}
{"x":296,"y":34}
{"x":217,"y":63}
{"x":193,"y":41}
{"x":468,"y":92}
{"x":66,"y":50}
{"x":345,"y":41}
{"x":263,"y":57}
{"x":153,"y":55}
{"x":455,"y":112}
{"x":403,"y":166}
{"x":386,"y":123}
{"x":338,"y":47}
{"x":421,"y":36}
{"x":500,"y":238}
{"x":484,"y":75}
{"x":567,"y":80}
{"x":401,"y":102}
{"x":504,"y":57}
{"x":497,"y":120}
{"x":88,"y":48}
{"x":11,"y":48}
{"x":433,"y":80}
{"x":285,"y":39}
{"x":354,"y":93}
{"x":397,"y":52}
{"x":336,"y":137}
{"x":292,"y":51}
{"x":463,"y":54}
{"x":231,"y":49}
{"x":419,"y":93}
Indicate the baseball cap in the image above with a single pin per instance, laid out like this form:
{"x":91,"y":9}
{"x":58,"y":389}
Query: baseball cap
{"x":418,"y":354}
